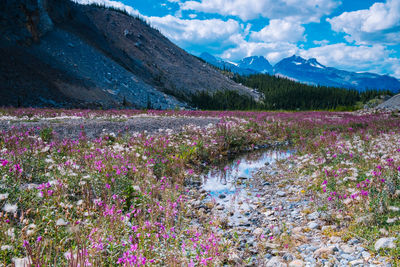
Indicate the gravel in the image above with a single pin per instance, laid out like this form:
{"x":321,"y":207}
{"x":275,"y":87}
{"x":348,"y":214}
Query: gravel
{"x":94,"y":128}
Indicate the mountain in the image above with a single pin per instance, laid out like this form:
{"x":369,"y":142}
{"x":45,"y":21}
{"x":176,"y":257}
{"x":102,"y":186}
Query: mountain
{"x":257,"y":63}
{"x":312,"y":72}
{"x":62,"y":54}
{"x":224,"y":65}
{"x":308,"y":71}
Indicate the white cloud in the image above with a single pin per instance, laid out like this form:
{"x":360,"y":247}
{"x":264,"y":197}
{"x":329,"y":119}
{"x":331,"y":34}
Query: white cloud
{"x":298,"y":10}
{"x":280,"y":31}
{"x":373,"y":58}
{"x":271,"y":51}
{"x":195,"y":30}
{"x":378,"y":24}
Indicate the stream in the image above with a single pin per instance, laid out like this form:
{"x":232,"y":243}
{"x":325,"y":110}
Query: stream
{"x":233,"y":188}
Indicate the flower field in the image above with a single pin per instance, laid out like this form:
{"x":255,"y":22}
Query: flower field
{"x":122,"y":199}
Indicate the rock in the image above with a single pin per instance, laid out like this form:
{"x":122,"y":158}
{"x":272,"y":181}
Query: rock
{"x":288,"y":257}
{"x":271,"y":245}
{"x":323,"y":251}
{"x":281,"y":193}
{"x":258,"y":231}
{"x":276,"y":262}
{"x":296,"y":263}
{"x":347,"y":249}
{"x":356,"y":262}
{"x":312,"y":225}
{"x":366,"y":255}
{"x":386,"y":242}
{"x":233,"y":257}
{"x":222,"y":196}
{"x":297,"y":230}
{"x":313,"y":216}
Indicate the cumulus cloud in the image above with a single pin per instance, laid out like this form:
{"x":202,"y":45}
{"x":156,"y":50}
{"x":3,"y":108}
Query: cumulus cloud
{"x":280,"y":31}
{"x":378,"y":24}
{"x":271,"y":51}
{"x":195,"y":30}
{"x":298,"y":10}
{"x":373,"y":58}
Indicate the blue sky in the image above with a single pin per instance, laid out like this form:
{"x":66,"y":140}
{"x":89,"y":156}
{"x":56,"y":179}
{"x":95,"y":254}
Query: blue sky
{"x":356,"y":35}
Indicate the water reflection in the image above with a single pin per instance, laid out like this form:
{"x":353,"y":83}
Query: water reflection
{"x":232,"y":187}
{"x":236,"y":174}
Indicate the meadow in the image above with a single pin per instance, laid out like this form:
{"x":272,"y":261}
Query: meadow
{"x":122,"y":199}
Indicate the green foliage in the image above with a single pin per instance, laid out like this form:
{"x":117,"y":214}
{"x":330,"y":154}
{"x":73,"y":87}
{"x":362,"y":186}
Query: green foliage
{"x":281,"y":93}
{"x":46,"y":134}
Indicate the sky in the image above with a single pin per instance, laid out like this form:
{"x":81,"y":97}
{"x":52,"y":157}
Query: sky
{"x":354,"y":35}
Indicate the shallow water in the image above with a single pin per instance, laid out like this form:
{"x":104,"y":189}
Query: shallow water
{"x":233,"y":187}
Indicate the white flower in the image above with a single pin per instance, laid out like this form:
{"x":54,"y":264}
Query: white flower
{"x":61,"y":222}
{"x":6,"y":247}
{"x":3,"y":196}
{"x":10,"y":233}
{"x":21,"y":262}
{"x":10,"y":208}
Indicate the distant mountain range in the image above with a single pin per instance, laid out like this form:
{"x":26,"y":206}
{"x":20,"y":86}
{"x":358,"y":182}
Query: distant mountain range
{"x":307,"y":71}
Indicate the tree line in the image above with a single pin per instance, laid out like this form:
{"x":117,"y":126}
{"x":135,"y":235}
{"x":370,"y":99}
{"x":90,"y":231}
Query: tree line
{"x":284,"y":94}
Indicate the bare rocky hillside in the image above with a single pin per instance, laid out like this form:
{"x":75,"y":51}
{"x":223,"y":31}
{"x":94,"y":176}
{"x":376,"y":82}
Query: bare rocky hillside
{"x":59,"y":53}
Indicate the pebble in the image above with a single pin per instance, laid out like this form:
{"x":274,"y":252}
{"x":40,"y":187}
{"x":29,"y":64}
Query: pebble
{"x":347,"y":249}
{"x":276,"y":262}
{"x":356,"y":262}
{"x":386,"y":242}
{"x":312,"y":225}
{"x":296,"y":263}
{"x":323,"y":251}
{"x":281,"y":193}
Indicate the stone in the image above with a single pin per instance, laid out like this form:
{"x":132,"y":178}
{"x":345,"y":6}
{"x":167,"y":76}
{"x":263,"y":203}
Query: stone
{"x":297,"y":230}
{"x":347,"y":249}
{"x":222,"y":196}
{"x":386,"y":242}
{"x":258,"y":232}
{"x":233,"y":257}
{"x":312,"y":225}
{"x":323,"y":251}
{"x":296,"y":263}
{"x":276,"y":262}
{"x":366,"y":255}
{"x":313,"y":216}
{"x":356,"y":262}
{"x":281,"y":193}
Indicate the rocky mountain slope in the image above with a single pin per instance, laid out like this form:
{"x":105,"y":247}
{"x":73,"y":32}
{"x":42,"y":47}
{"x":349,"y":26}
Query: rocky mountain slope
{"x":59,"y":53}
{"x":391,"y":104}
{"x":310,"y":72}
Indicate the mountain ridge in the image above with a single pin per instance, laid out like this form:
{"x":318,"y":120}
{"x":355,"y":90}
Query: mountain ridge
{"x":310,"y":71}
